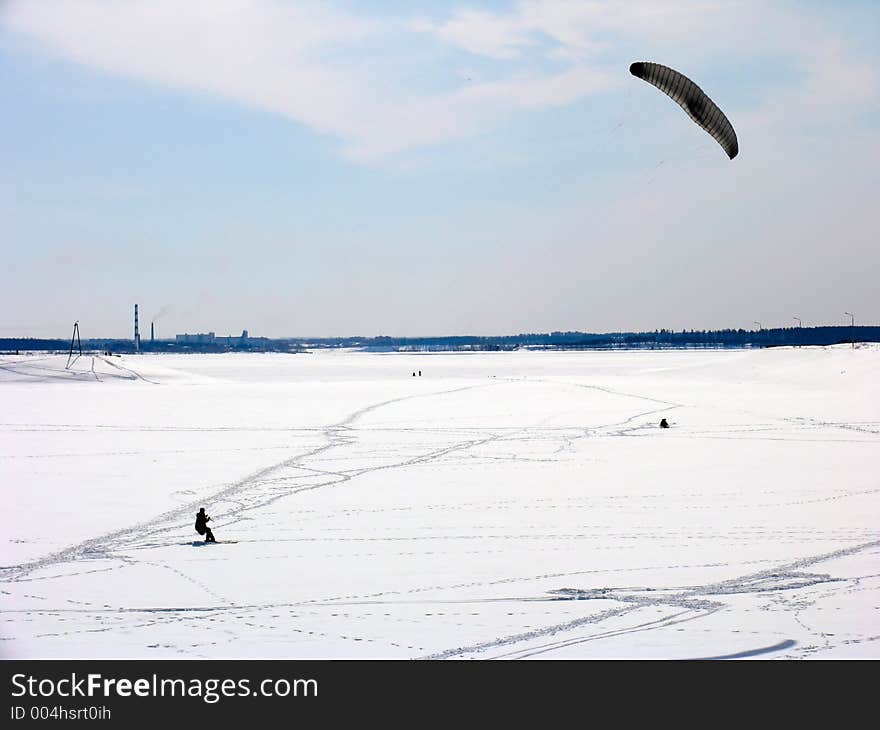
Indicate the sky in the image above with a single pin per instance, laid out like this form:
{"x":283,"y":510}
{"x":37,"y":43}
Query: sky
{"x":360,"y":168}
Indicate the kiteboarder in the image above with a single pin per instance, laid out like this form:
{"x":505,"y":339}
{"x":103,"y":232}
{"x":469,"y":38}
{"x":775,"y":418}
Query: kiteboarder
{"x":202,"y":525}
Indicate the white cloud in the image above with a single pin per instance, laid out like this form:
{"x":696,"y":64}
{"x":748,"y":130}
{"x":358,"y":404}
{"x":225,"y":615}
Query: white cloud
{"x":576,"y":29}
{"x":317,"y":66}
{"x":255,"y":53}
{"x":486,"y":34}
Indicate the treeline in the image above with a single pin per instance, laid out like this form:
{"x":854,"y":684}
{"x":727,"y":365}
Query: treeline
{"x":658,"y":339}
{"x":775,"y":337}
{"x":116,"y":346}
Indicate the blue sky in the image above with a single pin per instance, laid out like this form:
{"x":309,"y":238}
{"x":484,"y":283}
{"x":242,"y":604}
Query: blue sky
{"x":312,"y":169}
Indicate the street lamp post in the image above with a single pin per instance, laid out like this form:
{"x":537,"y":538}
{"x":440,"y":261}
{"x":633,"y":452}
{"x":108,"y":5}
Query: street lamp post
{"x":799,"y":323}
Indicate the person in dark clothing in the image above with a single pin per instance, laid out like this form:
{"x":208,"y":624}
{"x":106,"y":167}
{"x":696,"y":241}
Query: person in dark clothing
{"x":202,"y":525}
{"x":663,"y":423}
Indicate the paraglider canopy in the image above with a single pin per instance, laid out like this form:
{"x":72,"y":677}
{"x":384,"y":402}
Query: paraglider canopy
{"x":692,"y":99}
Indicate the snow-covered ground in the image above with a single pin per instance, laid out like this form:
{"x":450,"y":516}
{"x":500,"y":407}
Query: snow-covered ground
{"x":508,"y":505}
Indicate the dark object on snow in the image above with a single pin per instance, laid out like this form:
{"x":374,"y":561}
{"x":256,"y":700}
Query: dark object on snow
{"x":663,"y":423}
{"x":202,"y":525}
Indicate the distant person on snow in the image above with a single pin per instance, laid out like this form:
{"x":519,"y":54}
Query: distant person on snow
{"x":202,"y":525}
{"x":663,"y":423}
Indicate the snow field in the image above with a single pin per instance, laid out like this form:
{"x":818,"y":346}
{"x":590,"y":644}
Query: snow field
{"x":503,"y":505}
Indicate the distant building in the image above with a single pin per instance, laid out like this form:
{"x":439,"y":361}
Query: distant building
{"x":230,"y":341}
{"x":200,"y":338}
{"x":211,"y":342}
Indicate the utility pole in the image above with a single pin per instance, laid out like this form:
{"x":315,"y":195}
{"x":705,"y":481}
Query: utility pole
{"x":74,"y":336}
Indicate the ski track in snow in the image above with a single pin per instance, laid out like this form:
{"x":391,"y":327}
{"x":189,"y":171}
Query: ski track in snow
{"x":336,"y":435}
{"x":694,"y":601}
{"x":630,"y":610}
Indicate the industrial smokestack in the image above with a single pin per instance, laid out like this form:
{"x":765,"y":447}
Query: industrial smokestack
{"x":137,"y":335}
{"x":152,"y":331}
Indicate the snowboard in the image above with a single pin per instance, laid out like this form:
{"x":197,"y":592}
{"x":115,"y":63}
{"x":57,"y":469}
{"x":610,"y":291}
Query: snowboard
{"x":200,"y":543}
